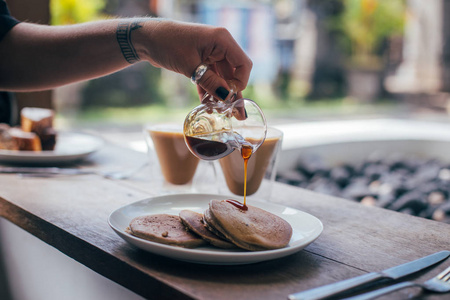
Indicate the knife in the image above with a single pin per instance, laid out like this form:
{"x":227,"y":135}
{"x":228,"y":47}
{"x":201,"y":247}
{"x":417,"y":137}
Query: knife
{"x":44,"y":171}
{"x":391,"y":274}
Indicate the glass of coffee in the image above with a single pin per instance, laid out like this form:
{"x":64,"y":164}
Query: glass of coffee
{"x":177,"y":164}
{"x":261,"y":169}
{"x":173,"y":167}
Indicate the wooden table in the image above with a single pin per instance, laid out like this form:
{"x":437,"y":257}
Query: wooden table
{"x":70,"y":214}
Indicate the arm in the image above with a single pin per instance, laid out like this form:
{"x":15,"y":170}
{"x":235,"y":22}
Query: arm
{"x":37,"y":57}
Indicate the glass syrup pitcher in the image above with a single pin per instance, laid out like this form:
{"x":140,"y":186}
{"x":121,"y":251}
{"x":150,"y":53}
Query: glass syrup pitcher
{"x":214,"y":129}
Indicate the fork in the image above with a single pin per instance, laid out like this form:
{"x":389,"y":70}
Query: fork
{"x":437,"y":284}
{"x":124,"y":174}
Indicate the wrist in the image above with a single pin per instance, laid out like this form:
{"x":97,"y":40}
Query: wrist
{"x":124,"y":39}
{"x":138,"y":36}
{"x":145,"y":38}
{"x":131,"y":35}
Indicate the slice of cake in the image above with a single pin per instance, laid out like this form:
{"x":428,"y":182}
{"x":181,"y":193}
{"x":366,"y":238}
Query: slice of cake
{"x":6,"y":140}
{"x":35,"y":119}
{"x":39,"y":121}
{"x":26,"y":141}
{"x":48,"y":139}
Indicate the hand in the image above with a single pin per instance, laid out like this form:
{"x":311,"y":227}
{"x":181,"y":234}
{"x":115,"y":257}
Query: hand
{"x":181,"y":47}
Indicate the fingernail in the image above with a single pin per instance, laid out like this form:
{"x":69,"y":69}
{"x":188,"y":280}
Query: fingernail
{"x":222,"y":93}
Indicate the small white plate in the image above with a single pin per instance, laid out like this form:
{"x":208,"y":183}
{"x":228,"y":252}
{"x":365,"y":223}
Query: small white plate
{"x":70,"y":146}
{"x":306,"y":228}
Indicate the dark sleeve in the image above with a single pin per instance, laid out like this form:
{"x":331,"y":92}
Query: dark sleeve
{"x":6,"y":20}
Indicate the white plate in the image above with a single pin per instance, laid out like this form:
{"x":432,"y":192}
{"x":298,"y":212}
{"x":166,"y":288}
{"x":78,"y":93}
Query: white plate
{"x":70,"y":146}
{"x":306,"y":228}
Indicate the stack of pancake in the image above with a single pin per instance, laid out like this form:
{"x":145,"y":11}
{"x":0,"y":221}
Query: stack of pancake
{"x":222,"y":225}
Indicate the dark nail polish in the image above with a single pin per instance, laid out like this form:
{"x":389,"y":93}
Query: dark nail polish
{"x":222,"y":93}
{"x":246,"y":115}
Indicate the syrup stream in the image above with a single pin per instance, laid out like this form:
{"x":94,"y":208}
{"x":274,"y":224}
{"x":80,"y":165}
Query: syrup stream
{"x":246,"y":152}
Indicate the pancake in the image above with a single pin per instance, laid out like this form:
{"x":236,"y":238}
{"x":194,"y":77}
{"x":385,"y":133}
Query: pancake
{"x":194,"y":221}
{"x":254,"y":229}
{"x":164,"y":229}
{"x":206,"y":216}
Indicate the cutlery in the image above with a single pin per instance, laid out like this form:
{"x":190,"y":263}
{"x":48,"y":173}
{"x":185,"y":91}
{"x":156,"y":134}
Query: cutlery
{"x":437,"y":284}
{"x":45,"y":171}
{"x":391,"y":274}
{"x":54,"y":171}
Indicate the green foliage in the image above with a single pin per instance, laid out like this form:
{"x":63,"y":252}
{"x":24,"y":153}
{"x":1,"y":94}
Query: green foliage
{"x":137,"y":85}
{"x":64,"y":12}
{"x":365,"y":24}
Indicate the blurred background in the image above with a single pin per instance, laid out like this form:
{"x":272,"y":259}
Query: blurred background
{"x":313,"y":59}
